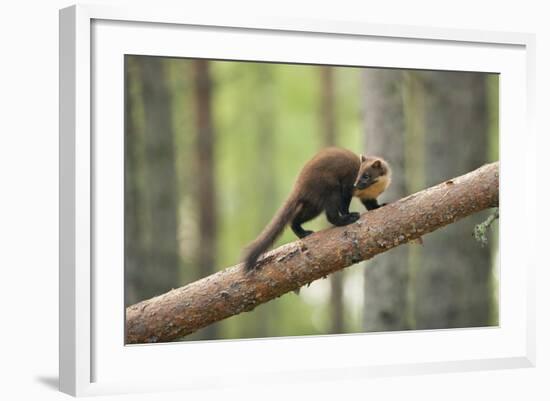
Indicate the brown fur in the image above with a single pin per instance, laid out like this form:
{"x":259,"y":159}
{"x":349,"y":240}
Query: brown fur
{"x":325,"y":183}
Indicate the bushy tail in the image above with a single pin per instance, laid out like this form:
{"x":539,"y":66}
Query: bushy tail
{"x":271,"y":232}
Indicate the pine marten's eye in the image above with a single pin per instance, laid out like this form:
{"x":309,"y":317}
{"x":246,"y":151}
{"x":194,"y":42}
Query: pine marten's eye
{"x":366,"y":176}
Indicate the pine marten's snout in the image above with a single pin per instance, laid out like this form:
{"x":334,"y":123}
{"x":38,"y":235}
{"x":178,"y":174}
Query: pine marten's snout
{"x":364,"y":181}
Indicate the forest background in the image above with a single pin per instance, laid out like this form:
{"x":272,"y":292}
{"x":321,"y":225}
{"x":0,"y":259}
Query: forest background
{"x":212,"y":149}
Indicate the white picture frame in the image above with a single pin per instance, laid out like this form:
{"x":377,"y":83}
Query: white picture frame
{"x":92,"y":38}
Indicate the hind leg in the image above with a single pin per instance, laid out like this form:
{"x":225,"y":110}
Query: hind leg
{"x":306,"y":213}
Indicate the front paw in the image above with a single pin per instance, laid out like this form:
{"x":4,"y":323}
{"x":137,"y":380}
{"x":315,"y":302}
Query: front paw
{"x":305,"y":233}
{"x":352,"y":217}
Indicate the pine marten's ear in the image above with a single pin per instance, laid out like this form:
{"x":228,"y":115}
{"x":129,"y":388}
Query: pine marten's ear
{"x":363,"y":158}
{"x":377,"y":164}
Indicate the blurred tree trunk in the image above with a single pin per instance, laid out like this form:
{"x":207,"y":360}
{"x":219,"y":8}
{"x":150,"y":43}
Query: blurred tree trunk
{"x":328,"y":130}
{"x":328,"y":113}
{"x":180,"y":79}
{"x":386,"y":277}
{"x":414,"y":175}
{"x":134,"y":230}
{"x":266,"y":175}
{"x":452,"y":282}
{"x":206,"y":249}
{"x":152,"y":258}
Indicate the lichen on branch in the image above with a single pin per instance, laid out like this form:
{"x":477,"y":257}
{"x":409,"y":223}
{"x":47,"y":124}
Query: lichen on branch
{"x":480,"y":230}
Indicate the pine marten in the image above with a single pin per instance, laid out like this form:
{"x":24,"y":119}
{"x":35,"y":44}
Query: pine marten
{"x":326,"y":183}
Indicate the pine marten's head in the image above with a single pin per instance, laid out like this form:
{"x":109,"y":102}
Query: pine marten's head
{"x":373,"y":178}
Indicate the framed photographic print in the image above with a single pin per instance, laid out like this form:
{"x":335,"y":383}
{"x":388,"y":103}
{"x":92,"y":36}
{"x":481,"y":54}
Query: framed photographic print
{"x":267,"y":199}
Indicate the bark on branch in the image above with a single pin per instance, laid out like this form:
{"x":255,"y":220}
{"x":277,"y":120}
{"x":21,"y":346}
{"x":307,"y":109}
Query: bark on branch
{"x":229,"y":292}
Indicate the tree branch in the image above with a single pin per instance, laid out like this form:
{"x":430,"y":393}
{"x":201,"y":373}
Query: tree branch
{"x":231,"y":291}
